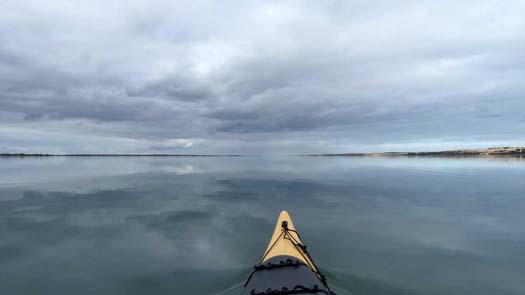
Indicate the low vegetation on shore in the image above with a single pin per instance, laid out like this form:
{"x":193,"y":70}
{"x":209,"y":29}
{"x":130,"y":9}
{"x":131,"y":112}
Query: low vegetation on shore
{"x":495,"y":151}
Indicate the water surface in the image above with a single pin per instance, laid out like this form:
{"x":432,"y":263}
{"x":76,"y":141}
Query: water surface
{"x":130,"y":225}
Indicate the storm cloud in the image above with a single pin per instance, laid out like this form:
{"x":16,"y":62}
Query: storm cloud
{"x":260,"y":76}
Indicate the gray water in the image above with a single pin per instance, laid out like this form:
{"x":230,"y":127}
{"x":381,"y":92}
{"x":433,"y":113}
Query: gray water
{"x":128,"y":225}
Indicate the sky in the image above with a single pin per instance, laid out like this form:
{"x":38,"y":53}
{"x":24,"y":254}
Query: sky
{"x":260,"y":77}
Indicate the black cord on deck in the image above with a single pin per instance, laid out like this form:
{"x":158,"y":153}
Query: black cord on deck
{"x":304,"y":253}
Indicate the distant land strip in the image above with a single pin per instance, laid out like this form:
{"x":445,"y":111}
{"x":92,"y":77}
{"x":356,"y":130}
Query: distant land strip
{"x":111,"y":155}
{"x":489,"y":152}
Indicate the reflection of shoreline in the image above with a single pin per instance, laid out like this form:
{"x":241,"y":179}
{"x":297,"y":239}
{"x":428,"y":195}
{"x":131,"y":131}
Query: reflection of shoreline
{"x":498,"y":152}
{"x":111,"y":155}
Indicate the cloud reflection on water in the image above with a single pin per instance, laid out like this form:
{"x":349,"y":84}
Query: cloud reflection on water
{"x":375,"y":225}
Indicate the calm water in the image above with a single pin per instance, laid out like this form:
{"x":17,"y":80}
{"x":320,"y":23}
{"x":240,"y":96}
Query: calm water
{"x":197,"y":225}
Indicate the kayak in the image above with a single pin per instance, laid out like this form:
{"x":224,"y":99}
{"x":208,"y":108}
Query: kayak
{"x":286,"y":266}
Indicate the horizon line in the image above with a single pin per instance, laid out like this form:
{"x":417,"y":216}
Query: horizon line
{"x":117,"y":155}
{"x":521,"y":149}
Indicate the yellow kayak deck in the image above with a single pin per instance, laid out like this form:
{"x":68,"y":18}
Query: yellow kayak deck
{"x":286,"y":267}
{"x":286,"y":241}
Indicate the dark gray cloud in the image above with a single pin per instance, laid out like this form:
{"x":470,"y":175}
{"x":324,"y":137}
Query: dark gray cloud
{"x":176,"y":88}
{"x":260,"y":77}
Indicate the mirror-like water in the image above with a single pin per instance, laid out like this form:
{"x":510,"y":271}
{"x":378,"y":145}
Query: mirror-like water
{"x":124,"y":225}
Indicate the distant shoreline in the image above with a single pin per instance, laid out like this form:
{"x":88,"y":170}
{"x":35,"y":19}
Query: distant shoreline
{"x":20,"y":155}
{"x":489,"y":152}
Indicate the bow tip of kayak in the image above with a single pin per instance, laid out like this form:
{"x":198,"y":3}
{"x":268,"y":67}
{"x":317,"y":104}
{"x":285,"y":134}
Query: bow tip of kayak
{"x":284,"y":215}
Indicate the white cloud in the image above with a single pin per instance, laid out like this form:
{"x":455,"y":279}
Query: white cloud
{"x":162,"y":74}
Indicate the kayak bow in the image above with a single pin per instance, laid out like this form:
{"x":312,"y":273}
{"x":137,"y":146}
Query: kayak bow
{"x":286,"y":267}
